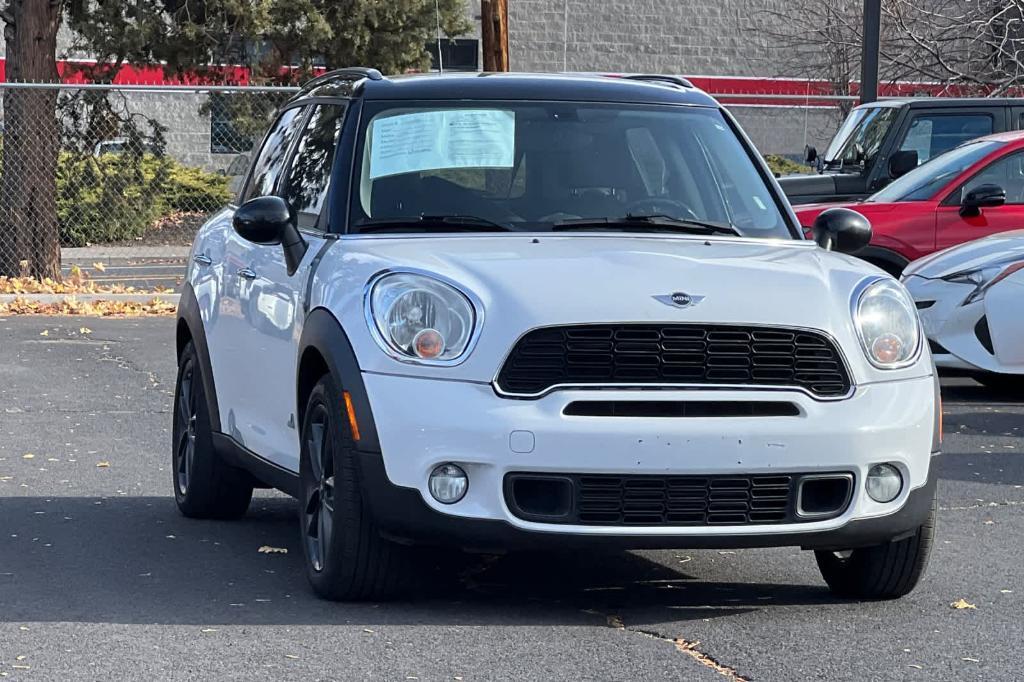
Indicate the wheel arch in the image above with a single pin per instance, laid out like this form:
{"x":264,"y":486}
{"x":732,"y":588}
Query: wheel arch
{"x":190,"y":328}
{"x":887,"y":259}
{"x":324,"y":347}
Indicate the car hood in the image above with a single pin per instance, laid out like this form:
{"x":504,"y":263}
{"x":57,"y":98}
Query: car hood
{"x":970,"y":256}
{"x":528,"y":281}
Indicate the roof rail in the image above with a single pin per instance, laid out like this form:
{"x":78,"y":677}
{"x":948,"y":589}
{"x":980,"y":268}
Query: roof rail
{"x":658,"y":78}
{"x":353,"y":73}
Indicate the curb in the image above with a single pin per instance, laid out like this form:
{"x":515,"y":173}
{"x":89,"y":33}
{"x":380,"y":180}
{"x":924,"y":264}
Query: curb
{"x":89,"y":298}
{"x":102,"y":253}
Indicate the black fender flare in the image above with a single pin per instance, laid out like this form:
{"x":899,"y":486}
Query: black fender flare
{"x":190,"y":326}
{"x":887,"y":259}
{"x":323,"y":336}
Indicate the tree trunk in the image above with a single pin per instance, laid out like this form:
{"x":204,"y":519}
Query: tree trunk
{"x":29,"y":233}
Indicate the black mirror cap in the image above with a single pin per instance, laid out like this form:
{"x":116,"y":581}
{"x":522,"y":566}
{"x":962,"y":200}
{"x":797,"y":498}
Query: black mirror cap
{"x":263,"y":220}
{"x":902,"y":162}
{"x":982,"y":196}
{"x":810,"y":154}
{"x":842,"y":229}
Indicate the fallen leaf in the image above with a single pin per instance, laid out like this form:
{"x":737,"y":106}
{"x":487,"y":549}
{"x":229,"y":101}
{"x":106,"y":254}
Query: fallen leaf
{"x":368,"y":630}
{"x":45,"y":332}
{"x":267,"y":549}
{"x":28,"y":455}
{"x":914,"y":665}
{"x":20,"y":658}
{"x":84,"y":330}
{"x":972,"y":660}
{"x":102,"y":465}
{"x":962,"y":603}
{"x":292,"y":656}
{"x":100,"y":266}
{"x":1006,"y":591}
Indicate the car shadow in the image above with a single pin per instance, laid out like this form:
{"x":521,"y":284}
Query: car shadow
{"x":136,"y":560}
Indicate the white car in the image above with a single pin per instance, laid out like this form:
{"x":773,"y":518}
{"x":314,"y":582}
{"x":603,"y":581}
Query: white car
{"x":971,"y":301}
{"x":515,"y":311}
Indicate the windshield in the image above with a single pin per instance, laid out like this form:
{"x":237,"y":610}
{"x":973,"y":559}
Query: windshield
{"x":533,"y":166}
{"x":924,"y":181}
{"x":860,"y":137}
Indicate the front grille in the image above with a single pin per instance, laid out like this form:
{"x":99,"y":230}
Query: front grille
{"x":611,"y":500}
{"x":634,"y":354}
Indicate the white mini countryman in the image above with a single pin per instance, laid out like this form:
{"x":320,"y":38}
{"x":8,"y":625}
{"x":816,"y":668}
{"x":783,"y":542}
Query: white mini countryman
{"x":500,"y":312}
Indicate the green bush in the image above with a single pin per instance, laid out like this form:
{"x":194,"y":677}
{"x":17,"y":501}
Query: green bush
{"x":115,"y":197}
{"x":192,"y":189}
{"x":780,"y":165}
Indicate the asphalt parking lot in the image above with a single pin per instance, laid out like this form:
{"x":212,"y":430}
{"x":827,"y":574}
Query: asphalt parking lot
{"x":100,"y":578}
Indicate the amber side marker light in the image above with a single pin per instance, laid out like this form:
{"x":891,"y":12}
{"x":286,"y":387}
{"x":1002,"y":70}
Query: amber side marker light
{"x":351,"y":412}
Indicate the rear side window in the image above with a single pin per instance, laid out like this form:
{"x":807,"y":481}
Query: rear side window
{"x":273,"y":154}
{"x":309,"y":177}
{"x":932,"y":134}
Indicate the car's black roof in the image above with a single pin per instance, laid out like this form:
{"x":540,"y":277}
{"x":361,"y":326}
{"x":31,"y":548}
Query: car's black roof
{"x":947,"y":102}
{"x":646,"y":89}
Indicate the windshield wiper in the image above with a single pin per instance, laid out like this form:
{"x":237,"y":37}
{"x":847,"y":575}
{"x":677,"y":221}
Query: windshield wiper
{"x":647,"y":223}
{"x":434,"y":223}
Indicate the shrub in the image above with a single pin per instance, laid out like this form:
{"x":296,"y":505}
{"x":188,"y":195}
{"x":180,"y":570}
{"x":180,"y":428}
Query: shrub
{"x":116,"y":197}
{"x":780,"y":165}
{"x":191,"y":189}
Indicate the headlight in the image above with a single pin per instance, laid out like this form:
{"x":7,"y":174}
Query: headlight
{"x":420,"y":318}
{"x":887,"y":324}
{"x":984,"y":278}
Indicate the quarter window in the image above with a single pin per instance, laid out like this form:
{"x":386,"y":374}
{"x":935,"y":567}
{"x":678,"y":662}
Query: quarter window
{"x":930,"y":135}
{"x":310,"y":174}
{"x":270,"y":162}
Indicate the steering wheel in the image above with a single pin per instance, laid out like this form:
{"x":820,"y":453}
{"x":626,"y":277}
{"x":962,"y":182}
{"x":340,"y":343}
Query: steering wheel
{"x":663,"y":206}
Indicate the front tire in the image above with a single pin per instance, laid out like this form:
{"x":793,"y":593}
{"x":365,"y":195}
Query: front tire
{"x":886,"y":571}
{"x":204,"y":486}
{"x":346,"y":557}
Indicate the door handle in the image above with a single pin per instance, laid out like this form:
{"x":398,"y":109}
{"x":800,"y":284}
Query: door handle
{"x":202,"y":259}
{"x":247,"y":273}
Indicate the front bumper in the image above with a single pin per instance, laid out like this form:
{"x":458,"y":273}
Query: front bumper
{"x":422,"y":423}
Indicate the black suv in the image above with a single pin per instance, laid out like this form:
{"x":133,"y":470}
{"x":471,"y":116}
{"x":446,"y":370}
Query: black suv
{"x":881,"y":141}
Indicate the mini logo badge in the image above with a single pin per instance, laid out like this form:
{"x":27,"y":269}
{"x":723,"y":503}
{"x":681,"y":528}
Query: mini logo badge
{"x":679,"y":299}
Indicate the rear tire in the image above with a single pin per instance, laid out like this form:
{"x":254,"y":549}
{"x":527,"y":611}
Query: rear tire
{"x":887,"y":571}
{"x":346,"y":557}
{"x":204,"y":486}
{"x":1003,"y":383}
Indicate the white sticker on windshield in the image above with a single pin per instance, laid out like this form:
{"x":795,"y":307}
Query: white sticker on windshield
{"x":431,"y":140}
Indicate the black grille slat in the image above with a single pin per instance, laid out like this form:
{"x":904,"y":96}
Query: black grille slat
{"x":652,"y":500}
{"x":674,"y":353}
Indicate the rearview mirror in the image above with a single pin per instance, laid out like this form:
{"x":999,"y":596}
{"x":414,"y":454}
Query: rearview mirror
{"x":982,"y":196}
{"x":842,"y":230}
{"x":902,"y":162}
{"x":268,"y":221}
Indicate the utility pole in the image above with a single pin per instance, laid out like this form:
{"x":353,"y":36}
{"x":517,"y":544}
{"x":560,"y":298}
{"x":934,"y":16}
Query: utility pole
{"x":869,"y":51}
{"x":494,"y":34}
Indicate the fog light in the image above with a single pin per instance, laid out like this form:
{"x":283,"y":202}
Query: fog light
{"x":884,"y":483}
{"x":448,"y":483}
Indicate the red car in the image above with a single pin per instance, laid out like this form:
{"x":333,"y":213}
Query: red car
{"x":971,"y":191}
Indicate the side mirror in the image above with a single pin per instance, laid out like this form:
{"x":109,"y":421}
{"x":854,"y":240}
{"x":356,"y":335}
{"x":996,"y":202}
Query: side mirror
{"x":268,"y":221}
{"x":982,"y":196}
{"x":810,"y":154}
{"x":841,"y":229}
{"x":902,"y":163}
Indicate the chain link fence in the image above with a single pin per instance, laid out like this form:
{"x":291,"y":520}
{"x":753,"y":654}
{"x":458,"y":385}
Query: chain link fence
{"x":128,"y":165}
{"x":85,"y":165}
